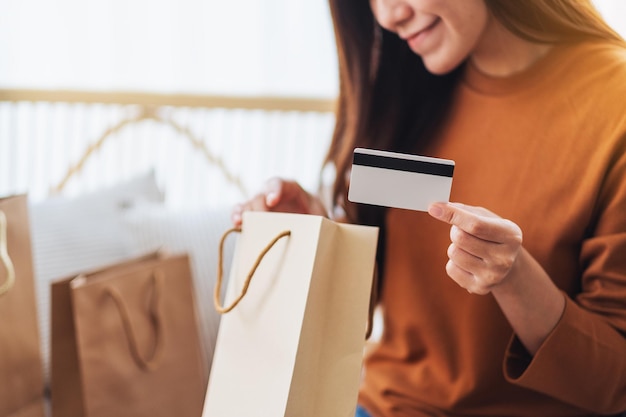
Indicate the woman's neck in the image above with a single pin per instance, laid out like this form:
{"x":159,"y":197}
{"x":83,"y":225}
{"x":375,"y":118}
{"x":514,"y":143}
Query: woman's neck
{"x":500,"y":53}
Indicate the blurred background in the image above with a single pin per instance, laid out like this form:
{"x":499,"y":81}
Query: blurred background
{"x":251,"y":82}
{"x":244,"y":50}
{"x":236,"y":47}
{"x":135,"y":125}
{"x":242,"y":47}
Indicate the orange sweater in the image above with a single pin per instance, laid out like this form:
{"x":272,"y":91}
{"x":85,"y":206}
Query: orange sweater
{"x":546,"y":149}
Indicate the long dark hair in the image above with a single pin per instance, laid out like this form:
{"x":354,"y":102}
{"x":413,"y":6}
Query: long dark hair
{"x":387,"y":98}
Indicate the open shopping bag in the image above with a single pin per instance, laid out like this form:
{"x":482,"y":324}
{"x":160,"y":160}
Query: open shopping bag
{"x":291,"y":340}
{"x":21,"y":372}
{"x":125,"y":341}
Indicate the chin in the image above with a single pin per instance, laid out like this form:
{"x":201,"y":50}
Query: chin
{"x":441,"y":65}
{"x":440,"y":68}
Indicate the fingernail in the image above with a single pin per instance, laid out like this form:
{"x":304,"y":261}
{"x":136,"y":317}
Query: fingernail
{"x":270,"y":198}
{"x":235,"y":215}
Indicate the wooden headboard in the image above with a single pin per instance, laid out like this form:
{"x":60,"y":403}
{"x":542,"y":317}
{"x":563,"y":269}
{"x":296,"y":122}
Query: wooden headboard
{"x":216,"y":147}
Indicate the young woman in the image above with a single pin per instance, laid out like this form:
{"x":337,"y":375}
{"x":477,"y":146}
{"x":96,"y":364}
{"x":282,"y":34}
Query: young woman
{"x":512,"y":303}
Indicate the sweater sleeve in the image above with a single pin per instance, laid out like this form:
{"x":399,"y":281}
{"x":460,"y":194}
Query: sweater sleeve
{"x":583,"y":361}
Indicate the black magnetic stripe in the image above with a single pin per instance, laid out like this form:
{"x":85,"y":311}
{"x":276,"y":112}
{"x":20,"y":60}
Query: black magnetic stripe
{"x":399,"y":164}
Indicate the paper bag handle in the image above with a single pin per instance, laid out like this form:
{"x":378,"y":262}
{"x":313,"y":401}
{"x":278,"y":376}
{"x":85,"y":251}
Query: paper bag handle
{"x":4,"y":256}
{"x":220,"y":270}
{"x":150,"y":363}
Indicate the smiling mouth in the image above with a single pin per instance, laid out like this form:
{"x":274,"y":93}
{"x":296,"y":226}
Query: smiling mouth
{"x":415,"y":40}
{"x":413,"y":37}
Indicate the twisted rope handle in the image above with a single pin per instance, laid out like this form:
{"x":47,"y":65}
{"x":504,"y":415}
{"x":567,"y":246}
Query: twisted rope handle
{"x":4,"y":256}
{"x":151,"y":362}
{"x":220,"y":270}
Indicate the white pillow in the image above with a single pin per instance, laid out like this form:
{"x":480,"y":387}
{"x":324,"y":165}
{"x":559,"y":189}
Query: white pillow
{"x":196,"y":232}
{"x":72,"y":235}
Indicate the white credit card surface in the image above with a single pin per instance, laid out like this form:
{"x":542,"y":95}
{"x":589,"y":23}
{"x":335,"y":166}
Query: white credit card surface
{"x":399,"y":180}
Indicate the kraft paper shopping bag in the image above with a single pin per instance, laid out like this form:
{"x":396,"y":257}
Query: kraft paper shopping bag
{"x":296,"y":311}
{"x":21,"y":372}
{"x":126,"y":342}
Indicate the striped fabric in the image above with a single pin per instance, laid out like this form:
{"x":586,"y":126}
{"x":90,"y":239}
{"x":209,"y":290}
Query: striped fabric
{"x":196,"y":232}
{"x":40,"y":141}
{"x":73,"y":235}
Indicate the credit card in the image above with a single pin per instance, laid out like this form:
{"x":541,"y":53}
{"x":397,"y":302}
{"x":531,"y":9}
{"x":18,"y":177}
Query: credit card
{"x":399,"y":180}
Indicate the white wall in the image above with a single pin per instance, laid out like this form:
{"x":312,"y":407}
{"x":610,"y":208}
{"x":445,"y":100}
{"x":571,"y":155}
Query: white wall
{"x":278,"y":47}
{"x":614,"y":11}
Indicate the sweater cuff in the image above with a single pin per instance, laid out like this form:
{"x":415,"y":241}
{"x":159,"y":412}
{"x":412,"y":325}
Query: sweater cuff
{"x":521,"y":368}
{"x":556,"y":369}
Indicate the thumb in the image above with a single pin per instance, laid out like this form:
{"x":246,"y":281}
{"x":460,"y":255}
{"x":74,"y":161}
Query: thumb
{"x":440,"y":211}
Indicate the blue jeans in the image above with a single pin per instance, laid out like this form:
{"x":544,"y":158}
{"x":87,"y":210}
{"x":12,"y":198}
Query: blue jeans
{"x":360,"y":412}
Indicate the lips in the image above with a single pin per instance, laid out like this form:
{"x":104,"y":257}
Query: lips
{"x":416,"y":38}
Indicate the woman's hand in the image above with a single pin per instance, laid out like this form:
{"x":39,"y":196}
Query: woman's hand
{"x":486,"y":256}
{"x":485,"y":248}
{"x":280,"y":195}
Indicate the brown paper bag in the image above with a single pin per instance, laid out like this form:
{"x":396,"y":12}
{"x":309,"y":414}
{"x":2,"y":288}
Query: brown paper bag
{"x":21,"y":373}
{"x":293,"y":344}
{"x":125,"y":342}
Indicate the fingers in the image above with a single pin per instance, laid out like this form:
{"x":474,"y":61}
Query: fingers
{"x":278,"y":190}
{"x":279,"y":195}
{"x":477,"y":221}
{"x":273,"y":191}
{"x":236,"y":214}
{"x":263,"y":201}
{"x":475,"y":274}
{"x":484,"y":246}
{"x":257,"y":203}
{"x":465,"y":279}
